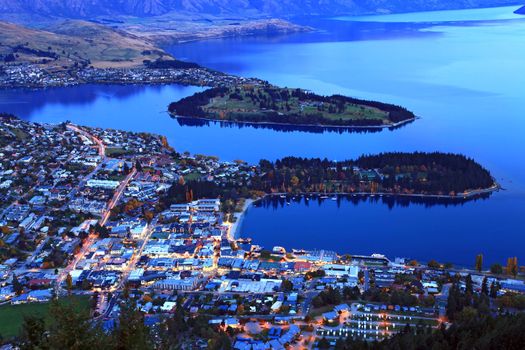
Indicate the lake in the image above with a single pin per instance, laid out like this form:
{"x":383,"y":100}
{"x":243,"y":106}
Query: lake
{"x":462,"y":72}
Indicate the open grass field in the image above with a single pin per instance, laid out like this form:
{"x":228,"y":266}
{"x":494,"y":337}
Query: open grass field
{"x":12,"y":316}
{"x":255,"y":102}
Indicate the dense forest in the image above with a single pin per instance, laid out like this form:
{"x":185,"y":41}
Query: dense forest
{"x":421,"y":173}
{"x":170,"y":64}
{"x":270,"y":104}
{"x":388,"y":173}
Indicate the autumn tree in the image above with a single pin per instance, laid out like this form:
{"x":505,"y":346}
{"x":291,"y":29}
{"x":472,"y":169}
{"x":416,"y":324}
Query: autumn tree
{"x":496,"y":269}
{"x":69,"y":283}
{"x":512,"y":266}
{"x":479,"y":262}
{"x":433,"y":264}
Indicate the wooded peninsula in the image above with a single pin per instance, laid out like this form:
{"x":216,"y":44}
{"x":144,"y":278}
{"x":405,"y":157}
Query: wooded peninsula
{"x":268,"y":104}
{"x":441,"y":175}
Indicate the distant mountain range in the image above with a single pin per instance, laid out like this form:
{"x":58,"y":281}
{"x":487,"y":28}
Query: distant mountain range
{"x":244,"y":8}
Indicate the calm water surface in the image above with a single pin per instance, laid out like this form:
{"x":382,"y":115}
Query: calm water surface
{"x":461,"y":71}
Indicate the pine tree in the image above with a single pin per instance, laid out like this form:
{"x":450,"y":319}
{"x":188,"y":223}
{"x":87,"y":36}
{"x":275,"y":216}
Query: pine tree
{"x":17,"y":286}
{"x":323,"y":344}
{"x":468,"y":284}
{"x":484,"y":287}
{"x":131,"y":333}
{"x":69,"y":283}
{"x":493,"y":290}
{"x":33,"y":335}
{"x":74,"y":329}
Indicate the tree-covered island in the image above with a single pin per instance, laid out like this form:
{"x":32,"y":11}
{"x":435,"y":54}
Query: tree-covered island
{"x":268,"y":104}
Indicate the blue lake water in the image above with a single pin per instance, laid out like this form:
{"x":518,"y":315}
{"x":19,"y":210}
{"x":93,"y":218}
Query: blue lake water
{"x":454,"y":233}
{"x":463,"y":72}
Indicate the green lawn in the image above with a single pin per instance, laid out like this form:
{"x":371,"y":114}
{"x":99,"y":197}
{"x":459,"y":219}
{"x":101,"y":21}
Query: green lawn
{"x":246,"y":107}
{"x":12,"y":316}
{"x":116,"y":151}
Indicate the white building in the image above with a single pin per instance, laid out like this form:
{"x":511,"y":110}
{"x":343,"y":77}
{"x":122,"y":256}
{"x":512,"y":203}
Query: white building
{"x":105,"y":184}
{"x":337,"y":270}
{"x":176,"y":284}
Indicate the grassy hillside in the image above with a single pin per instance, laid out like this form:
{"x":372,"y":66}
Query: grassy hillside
{"x":74,"y":43}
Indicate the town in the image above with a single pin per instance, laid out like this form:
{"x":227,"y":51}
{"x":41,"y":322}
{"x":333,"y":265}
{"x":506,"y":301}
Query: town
{"x":27,"y":75}
{"x":91,"y":214}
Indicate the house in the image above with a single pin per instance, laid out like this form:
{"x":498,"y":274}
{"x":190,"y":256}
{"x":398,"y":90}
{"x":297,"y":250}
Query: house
{"x":331,"y":316}
{"x":289,"y":336}
{"x":40,"y":295}
{"x":302,"y":266}
{"x":338,"y":270}
{"x":341,"y":308}
{"x":168,"y":306}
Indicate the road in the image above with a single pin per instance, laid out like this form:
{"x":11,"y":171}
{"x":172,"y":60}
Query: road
{"x":101,"y":152}
{"x":110,"y":302}
{"x":72,"y":266}
{"x":136,"y":257}
{"x":116,"y":197}
{"x":92,"y":238}
{"x":100,"y":145}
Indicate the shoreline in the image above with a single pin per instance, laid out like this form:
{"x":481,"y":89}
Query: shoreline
{"x":235,"y":227}
{"x":344,"y":127}
{"x":473,"y":193}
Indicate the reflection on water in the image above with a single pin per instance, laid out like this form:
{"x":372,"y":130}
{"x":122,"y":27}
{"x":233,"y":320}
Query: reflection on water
{"x":196,"y":122}
{"x":391,"y":201}
{"x":448,"y":232}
